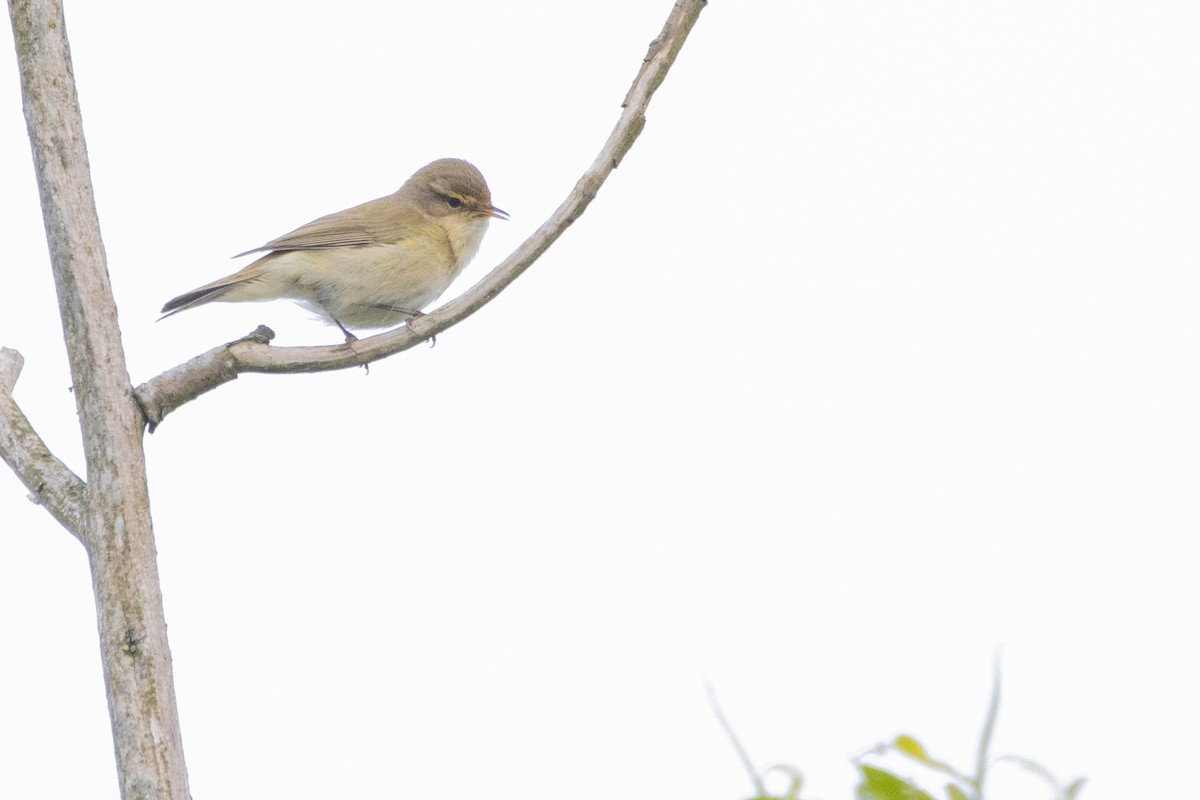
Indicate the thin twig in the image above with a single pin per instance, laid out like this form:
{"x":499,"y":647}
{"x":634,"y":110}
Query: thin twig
{"x":989,"y":727}
{"x":759,"y":788}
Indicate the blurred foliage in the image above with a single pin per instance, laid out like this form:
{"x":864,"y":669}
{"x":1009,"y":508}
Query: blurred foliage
{"x":876,"y":783}
{"x":879,"y":784}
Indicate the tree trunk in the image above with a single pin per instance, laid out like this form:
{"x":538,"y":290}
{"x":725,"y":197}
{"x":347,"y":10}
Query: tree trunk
{"x":115,"y":524}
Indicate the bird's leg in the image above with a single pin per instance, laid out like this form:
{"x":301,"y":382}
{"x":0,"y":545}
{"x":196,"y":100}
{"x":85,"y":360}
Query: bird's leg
{"x":350,"y":337}
{"x":350,"y":340}
{"x":411,"y":316}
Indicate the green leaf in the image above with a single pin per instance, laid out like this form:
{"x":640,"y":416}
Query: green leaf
{"x":910,"y":747}
{"x":878,"y":784}
{"x":955,"y":793}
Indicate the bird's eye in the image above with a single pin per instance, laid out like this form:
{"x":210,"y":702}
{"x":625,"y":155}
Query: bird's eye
{"x":454,"y":202}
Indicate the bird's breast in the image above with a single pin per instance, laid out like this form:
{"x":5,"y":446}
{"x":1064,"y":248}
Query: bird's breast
{"x":464,"y":236}
{"x":362,"y":286}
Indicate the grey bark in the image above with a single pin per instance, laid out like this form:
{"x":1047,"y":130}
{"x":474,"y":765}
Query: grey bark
{"x":49,"y":481}
{"x":115,"y":525}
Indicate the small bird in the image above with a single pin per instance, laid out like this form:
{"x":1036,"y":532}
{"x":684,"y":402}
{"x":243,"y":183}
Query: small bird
{"x":372,"y":266}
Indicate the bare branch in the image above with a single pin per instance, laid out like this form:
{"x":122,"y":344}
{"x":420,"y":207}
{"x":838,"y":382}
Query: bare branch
{"x":163,"y":394}
{"x":49,"y":481}
{"x":11,"y":363}
{"x":115,"y":524}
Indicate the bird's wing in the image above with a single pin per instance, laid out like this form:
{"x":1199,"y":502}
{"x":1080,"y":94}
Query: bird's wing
{"x":369,"y":223}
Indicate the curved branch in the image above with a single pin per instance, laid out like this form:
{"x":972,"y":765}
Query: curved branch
{"x":163,"y":394}
{"x":49,"y":481}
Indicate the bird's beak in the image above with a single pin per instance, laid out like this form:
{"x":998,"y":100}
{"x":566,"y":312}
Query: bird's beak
{"x":492,"y":211}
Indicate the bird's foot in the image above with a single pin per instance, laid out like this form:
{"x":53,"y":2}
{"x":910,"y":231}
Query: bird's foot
{"x":413,"y":315}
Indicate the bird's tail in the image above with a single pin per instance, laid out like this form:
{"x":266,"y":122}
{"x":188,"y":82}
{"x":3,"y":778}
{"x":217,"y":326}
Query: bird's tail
{"x":196,"y":297}
{"x":251,"y":283}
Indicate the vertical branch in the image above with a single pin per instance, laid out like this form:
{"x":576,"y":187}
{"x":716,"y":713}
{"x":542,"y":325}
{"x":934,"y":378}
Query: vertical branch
{"x":115,"y":526}
{"x":983,"y":754}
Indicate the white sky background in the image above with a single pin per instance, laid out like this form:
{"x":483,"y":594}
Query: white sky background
{"x":878,"y":351}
